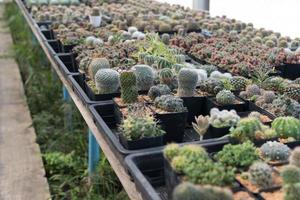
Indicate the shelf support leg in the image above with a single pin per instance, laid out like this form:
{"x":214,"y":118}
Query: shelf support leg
{"x":94,"y":154}
{"x":68,"y":109}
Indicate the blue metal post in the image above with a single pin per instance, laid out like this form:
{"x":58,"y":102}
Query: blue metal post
{"x":94,"y":154}
{"x":68,"y":109}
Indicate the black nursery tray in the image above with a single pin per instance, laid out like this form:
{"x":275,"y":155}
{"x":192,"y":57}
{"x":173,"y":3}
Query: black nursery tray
{"x":66,"y":63}
{"x":44,"y":29}
{"x":54,"y":46}
{"x":289,"y":71}
{"x":106,"y":122}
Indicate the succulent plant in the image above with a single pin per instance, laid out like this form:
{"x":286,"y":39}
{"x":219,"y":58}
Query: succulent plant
{"x":163,"y":63}
{"x":107,"y":81}
{"x":201,"y":125}
{"x":188,"y":191}
{"x":149,"y":60}
{"x":187,"y":82}
{"x":158,"y":90}
{"x":166,"y":76}
{"x":141,"y":56}
{"x":138,"y":127}
{"x":260,"y":174}
{"x":144,"y":76}
{"x":129,"y":92}
{"x":293,"y":91}
{"x":96,"y":64}
{"x":252,"y":92}
{"x":225,"y":97}
{"x":211,"y":86}
{"x":295,"y":157}
{"x":89,"y":40}
{"x":170,"y":103}
{"x":290,"y":174}
{"x":239,"y":83}
{"x":224,"y":118}
{"x":165,"y":38}
{"x":95,"y":11}
{"x":209,"y":68}
{"x":164,"y":28}
{"x":240,"y":156}
{"x":275,"y":151}
{"x":177,"y":67}
{"x":132,"y":29}
{"x":171,"y":150}
{"x":287,"y":127}
{"x":180,"y":58}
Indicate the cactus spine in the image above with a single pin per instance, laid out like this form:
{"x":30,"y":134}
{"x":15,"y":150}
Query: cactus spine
{"x":107,"y":81}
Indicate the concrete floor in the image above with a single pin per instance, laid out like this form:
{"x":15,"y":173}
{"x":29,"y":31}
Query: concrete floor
{"x":22,"y":175}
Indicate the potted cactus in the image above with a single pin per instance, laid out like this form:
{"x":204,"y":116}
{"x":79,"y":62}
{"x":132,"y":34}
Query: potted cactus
{"x":172,"y":115}
{"x":139,"y":131}
{"x":226,"y":100}
{"x":275,"y":153}
{"x":95,"y":17}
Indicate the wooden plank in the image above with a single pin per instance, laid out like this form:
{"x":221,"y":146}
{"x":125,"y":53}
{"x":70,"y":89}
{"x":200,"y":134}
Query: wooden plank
{"x":120,"y":171}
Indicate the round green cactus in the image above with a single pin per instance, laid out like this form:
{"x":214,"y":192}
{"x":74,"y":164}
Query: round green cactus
{"x":142,"y":56}
{"x":275,"y":151}
{"x":295,"y":157}
{"x":292,"y":192}
{"x":144,"y":76}
{"x":107,"y":81}
{"x":158,"y":90}
{"x":178,"y":163}
{"x":165,"y":38}
{"x":170,"y":103}
{"x":260,"y":174}
{"x":163,"y":63}
{"x":166,"y":76}
{"x":177,"y":67}
{"x":96,"y":64}
{"x":180,"y":58}
{"x":171,"y":150}
{"x":293,"y":91}
{"x":287,"y":127}
{"x":290,"y":174}
{"x":225,"y":97}
{"x":187,"y":82}
{"x":149,"y":60}
{"x":239,"y":83}
{"x":129,"y":92}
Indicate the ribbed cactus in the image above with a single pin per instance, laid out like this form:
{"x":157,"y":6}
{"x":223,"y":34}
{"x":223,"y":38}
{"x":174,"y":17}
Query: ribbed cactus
{"x":165,"y":38}
{"x":144,"y":76}
{"x":275,"y":151}
{"x":149,"y":60}
{"x":177,"y":67}
{"x":107,"y":81}
{"x":96,"y":64}
{"x":239,"y":83}
{"x":187,"y":82}
{"x":293,"y":91}
{"x":295,"y":157}
{"x":225,"y":97}
{"x":188,"y":191}
{"x":142,"y":56}
{"x":180,"y":58}
{"x":163,"y":63}
{"x":158,"y":90}
{"x":166,"y":76}
{"x":129,"y":92}
{"x":291,"y":174}
{"x":170,"y":103}
{"x":287,"y":127}
{"x":260,"y":174}
{"x":95,"y":11}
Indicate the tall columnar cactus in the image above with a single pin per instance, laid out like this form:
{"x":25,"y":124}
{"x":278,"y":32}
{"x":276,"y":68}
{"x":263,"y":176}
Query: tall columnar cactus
{"x":275,"y":151}
{"x":295,"y":157}
{"x":166,"y":76}
{"x":225,"y":97}
{"x":188,"y":191}
{"x":187,"y":82}
{"x":107,"y":81}
{"x":287,"y":127}
{"x":96,"y":64}
{"x":260,"y":174}
{"x":129,"y":92}
{"x":144,"y":76}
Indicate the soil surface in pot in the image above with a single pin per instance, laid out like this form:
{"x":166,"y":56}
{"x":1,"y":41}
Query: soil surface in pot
{"x":121,"y":104}
{"x":275,"y":195}
{"x":236,"y":102}
{"x":242,"y":195}
{"x":277,"y":182}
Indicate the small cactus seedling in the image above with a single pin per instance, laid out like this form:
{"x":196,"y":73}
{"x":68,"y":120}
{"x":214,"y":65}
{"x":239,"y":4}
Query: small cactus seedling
{"x":158,"y":90}
{"x":295,"y":157}
{"x":225,"y":97}
{"x":260,"y":174}
{"x":107,"y":81}
{"x":171,"y":150}
{"x":96,"y":64}
{"x":144,"y":76}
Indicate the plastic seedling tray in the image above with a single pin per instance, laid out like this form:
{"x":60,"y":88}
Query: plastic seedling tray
{"x":195,"y":106}
{"x":147,"y":170}
{"x":290,"y":71}
{"x":54,"y":47}
{"x":66,"y":63}
{"x":107,"y":123}
{"x":68,"y":48}
{"x":45,"y":31}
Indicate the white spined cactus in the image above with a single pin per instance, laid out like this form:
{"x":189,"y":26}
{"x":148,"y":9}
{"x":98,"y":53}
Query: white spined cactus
{"x":218,"y":75}
{"x":224,"y":118}
{"x":201,"y":125}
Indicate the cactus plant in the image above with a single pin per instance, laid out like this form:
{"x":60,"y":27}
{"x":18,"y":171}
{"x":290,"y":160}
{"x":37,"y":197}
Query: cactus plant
{"x":295,"y":157}
{"x":141,"y":56}
{"x":238,"y":82}
{"x":201,"y":125}
{"x":180,"y":58}
{"x":170,"y":103}
{"x":188,"y":191}
{"x":287,"y":127}
{"x":95,"y":11}
{"x":129,"y":92}
{"x":149,"y":60}
{"x":144,"y":76}
{"x":293,"y":91}
{"x":291,"y":174}
{"x":158,"y":90}
{"x":224,"y":118}
{"x":163,"y":63}
{"x":107,"y":81}
{"x":165,"y":38}
{"x":171,"y":150}
{"x":260,"y":174}
{"x":96,"y":64}
{"x":166,"y":76}
{"x":177,"y":67}
{"x":275,"y":151}
{"x":187,"y":82}
{"x":225,"y":97}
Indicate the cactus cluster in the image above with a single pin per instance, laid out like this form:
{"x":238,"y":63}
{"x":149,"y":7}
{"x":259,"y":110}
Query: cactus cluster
{"x":107,"y":81}
{"x":144,"y":76}
{"x":260,"y":174}
{"x":158,"y":90}
{"x":287,"y":127}
{"x":187,"y":82}
{"x":96,"y":64}
{"x":275,"y":151}
{"x":224,"y":118}
{"x":225,"y":97}
{"x":170,"y":103}
{"x":239,"y":83}
{"x":129,"y":92}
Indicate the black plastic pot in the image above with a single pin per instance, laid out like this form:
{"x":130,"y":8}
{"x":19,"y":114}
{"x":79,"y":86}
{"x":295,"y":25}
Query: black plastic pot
{"x":293,"y":144}
{"x":195,"y":107}
{"x":290,"y":71}
{"x":211,"y":103}
{"x":68,"y":48}
{"x":141,"y":143}
{"x":54,"y":46}
{"x":174,"y":125}
{"x":214,"y":132}
{"x":257,"y":143}
{"x":67,"y":63}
